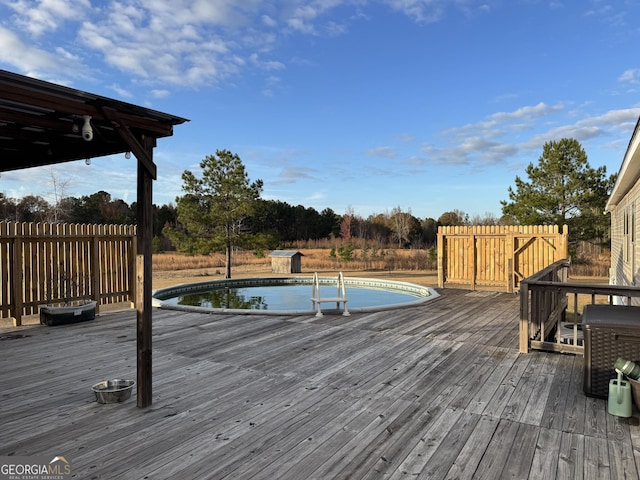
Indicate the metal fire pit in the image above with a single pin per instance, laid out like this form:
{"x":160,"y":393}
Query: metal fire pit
{"x":113,"y":391}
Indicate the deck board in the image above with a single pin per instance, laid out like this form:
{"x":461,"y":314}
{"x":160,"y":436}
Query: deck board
{"x":435,"y":391}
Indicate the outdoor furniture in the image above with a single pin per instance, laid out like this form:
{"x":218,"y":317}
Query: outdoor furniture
{"x":610,"y":331}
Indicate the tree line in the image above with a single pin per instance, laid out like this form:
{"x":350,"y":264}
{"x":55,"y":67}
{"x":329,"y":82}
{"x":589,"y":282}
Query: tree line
{"x":222,"y":208}
{"x":275,"y":223}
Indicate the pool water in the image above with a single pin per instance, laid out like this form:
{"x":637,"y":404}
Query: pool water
{"x":286,"y":297}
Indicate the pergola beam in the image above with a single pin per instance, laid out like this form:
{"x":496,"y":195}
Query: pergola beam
{"x":143,"y":154}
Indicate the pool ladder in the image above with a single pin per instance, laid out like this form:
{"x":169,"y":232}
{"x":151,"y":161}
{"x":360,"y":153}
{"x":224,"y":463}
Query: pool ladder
{"x":341,"y":295}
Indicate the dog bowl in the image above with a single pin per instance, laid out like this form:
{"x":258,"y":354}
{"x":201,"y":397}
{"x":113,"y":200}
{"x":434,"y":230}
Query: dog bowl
{"x":113,"y":391}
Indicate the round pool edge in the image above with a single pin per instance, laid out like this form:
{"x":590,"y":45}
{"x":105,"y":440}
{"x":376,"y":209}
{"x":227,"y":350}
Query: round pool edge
{"x":423,"y":294}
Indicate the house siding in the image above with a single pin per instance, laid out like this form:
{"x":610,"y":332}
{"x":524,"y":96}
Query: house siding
{"x":625,"y":248}
{"x":624,"y":205}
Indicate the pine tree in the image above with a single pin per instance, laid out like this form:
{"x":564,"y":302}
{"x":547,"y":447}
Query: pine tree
{"x":214,"y":207}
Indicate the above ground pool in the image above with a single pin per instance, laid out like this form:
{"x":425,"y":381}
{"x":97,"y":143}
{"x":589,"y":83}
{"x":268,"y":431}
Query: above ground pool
{"x":290,"y":295}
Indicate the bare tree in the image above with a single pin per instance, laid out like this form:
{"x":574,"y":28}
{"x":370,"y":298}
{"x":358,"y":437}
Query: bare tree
{"x":487,"y":219}
{"x":400,"y":223}
{"x":58,"y":193}
{"x":345,"y":225}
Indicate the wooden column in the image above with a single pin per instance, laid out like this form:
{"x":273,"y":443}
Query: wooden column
{"x":94,"y":258}
{"x":144,"y":273}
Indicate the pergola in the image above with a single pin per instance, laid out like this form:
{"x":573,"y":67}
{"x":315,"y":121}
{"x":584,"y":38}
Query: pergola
{"x":43,"y":124}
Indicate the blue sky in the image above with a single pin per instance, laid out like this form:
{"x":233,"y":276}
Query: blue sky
{"x":426,"y":105}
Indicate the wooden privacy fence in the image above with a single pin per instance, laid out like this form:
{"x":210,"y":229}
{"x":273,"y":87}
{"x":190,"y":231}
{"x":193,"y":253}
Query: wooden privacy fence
{"x":56,"y":263}
{"x":497,"y":257}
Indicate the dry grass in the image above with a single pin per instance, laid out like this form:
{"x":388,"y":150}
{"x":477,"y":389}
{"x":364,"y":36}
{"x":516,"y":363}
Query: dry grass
{"x":314,"y":259}
{"x":400,"y":265}
{"x":172,"y":269}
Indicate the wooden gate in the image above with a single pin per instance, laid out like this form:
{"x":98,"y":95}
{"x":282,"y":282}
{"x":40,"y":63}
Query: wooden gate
{"x":497,"y":257}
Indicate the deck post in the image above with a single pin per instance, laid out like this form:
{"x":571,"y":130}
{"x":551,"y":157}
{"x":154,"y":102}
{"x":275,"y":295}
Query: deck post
{"x":16,"y":276}
{"x":144,"y":274}
{"x":524,"y":317}
{"x":441,"y":250}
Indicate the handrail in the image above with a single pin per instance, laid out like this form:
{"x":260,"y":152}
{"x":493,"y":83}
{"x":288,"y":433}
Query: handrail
{"x":543,"y":302}
{"x":317,"y":299}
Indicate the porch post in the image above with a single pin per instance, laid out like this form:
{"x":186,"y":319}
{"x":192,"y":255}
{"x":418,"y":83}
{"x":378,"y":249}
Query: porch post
{"x":144,"y":275}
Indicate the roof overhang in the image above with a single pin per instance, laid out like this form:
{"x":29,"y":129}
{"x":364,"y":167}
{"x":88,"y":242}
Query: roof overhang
{"x":41,"y":124}
{"x":629,"y":171}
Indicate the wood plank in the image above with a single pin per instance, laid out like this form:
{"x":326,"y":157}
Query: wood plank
{"x":571,"y":457}
{"x":576,"y":403}
{"x":533,"y":413}
{"x":621,"y":459}
{"x":547,"y":452}
{"x":553,"y":414}
{"x":596,"y":459}
{"x":442,"y":448}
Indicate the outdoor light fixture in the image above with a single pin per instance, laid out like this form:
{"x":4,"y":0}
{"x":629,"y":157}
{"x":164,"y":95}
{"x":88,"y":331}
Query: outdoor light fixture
{"x":127,"y":155}
{"x":87,"y":131}
{"x":87,"y":161}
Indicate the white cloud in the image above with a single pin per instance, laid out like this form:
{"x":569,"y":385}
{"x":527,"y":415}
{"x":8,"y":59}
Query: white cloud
{"x":28,"y":59}
{"x":499,"y":123}
{"x":183,"y":42}
{"x":41,"y":16}
{"x":527,"y":112}
{"x":630,"y":76}
{"x":384,"y":152}
{"x":266,"y":65}
{"x":268,"y":21}
{"x":292,"y":174}
{"x":422,"y":11}
{"x":406,"y":137}
{"x":160,"y":93}
{"x":430,"y":11}
{"x":480,"y":143}
{"x":122,"y":92}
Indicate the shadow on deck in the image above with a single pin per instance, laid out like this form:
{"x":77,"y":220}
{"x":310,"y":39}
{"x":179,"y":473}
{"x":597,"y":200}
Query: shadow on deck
{"x":433,"y":391}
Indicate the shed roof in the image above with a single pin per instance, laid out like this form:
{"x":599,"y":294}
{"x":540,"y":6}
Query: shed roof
{"x":285,"y":253}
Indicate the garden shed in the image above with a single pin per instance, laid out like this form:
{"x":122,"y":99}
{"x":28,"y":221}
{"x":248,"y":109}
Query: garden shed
{"x":286,"y":261}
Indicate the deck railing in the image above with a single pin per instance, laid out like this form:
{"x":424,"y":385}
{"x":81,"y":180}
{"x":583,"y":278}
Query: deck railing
{"x":544,"y":298}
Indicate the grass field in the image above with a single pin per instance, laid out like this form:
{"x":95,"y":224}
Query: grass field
{"x":172,"y":268}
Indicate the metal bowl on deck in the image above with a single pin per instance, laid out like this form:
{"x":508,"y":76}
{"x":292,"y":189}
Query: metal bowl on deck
{"x":113,"y":391}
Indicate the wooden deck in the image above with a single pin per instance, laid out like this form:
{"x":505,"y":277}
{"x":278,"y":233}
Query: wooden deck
{"x":437,"y":391}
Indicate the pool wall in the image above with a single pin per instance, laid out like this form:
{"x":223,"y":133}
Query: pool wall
{"x":422,"y":294}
